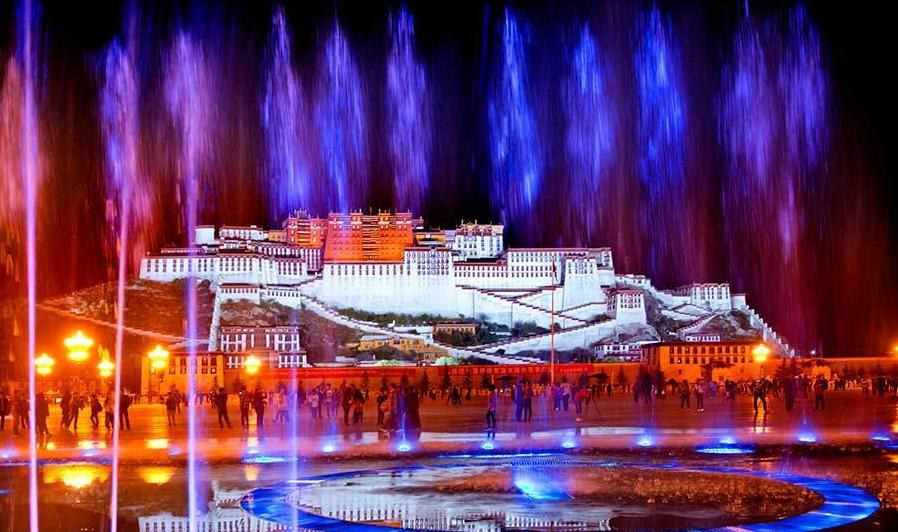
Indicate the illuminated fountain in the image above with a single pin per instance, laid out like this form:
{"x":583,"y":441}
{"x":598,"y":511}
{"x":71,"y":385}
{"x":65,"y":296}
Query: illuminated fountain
{"x":662,"y":140}
{"x":515,"y":158}
{"x":22,"y":170}
{"x":341,"y":108}
{"x":189,"y":92}
{"x":604,"y":144}
{"x":120,"y":120}
{"x":592,"y":130}
{"x":409,"y":117}
{"x":287,"y":134}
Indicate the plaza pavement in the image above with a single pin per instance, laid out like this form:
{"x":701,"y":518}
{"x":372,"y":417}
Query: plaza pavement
{"x":610,"y":423}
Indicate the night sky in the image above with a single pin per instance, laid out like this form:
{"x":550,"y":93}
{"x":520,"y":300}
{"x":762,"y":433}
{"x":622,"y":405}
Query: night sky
{"x":811,"y":238}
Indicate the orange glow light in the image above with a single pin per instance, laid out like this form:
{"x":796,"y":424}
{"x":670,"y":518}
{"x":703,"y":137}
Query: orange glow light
{"x":78,"y":345}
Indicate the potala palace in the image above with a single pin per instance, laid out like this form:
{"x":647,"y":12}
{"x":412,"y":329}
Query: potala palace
{"x":389,"y":263}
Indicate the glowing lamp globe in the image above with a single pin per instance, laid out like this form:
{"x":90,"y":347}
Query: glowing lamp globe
{"x":158,"y":358}
{"x":44,"y":364}
{"x":761,"y":352}
{"x":252,"y":364}
{"x":106,"y":368}
{"x":78,"y":345}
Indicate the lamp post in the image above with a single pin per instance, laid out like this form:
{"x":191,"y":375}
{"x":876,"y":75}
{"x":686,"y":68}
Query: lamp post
{"x":158,"y":361}
{"x":43,"y":365}
{"x":106,"y":367}
{"x":760,"y":354}
{"x":251,"y":365}
{"x":78,"y":346}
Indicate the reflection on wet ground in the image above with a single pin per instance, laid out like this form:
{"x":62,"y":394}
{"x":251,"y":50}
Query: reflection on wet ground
{"x":493,"y":496}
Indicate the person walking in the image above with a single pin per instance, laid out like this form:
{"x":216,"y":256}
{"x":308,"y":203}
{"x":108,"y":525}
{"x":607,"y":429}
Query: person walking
{"x":314,"y":400}
{"x":565,"y":393}
{"x":790,"y":390}
{"x":528,"y":401}
{"x":259,"y":407}
{"x":380,"y":400}
{"x":172,"y":402}
{"x":245,"y":401}
{"x":282,"y":413}
{"x":330,"y":402}
{"x":684,"y":395}
{"x":65,"y":404}
{"x":95,"y":409}
{"x":581,"y":397}
{"x":41,"y":413}
{"x":358,"y":408}
{"x":19,"y":412}
{"x":221,"y":404}
{"x":700,"y":396}
{"x":760,"y":394}
{"x":347,"y":395}
{"x":109,"y":408}
{"x":820,"y":386}
{"x":77,"y":405}
{"x":492,"y":404}
{"x":5,"y":407}
{"x":124,"y":415}
{"x":412,"y":419}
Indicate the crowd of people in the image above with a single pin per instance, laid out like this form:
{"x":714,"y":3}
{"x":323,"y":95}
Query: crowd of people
{"x":71,"y":404}
{"x":397,"y":406}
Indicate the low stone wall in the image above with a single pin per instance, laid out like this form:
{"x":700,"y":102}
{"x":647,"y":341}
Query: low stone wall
{"x":436,"y":374}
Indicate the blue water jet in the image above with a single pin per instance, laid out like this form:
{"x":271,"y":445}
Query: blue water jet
{"x":515,"y":147}
{"x":662,"y":130}
{"x":409,"y":117}
{"x":189,"y":96}
{"x":590,"y":130}
{"x":343,"y":124}
{"x":284,"y":112}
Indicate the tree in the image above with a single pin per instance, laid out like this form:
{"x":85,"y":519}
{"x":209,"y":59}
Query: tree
{"x":583,"y":380}
{"x":622,"y":380}
{"x":365,"y":379}
{"x":236,"y":384}
{"x":784,"y":371}
{"x":658,"y":381}
{"x":447,"y":380}
{"x":468,"y":381}
{"x":425,"y":382}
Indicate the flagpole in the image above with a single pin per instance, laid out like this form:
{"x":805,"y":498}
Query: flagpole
{"x":552,"y":331}
{"x":552,"y":341}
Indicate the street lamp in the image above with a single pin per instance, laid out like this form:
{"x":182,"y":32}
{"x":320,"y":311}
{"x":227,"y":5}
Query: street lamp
{"x":106,"y":368}
{"x":158,"y":362}
{"x":44,"y":364}
{"x":251,"y":364}
{"x":78,"y":345}
{"x":158,"y":357}
{"x":760,"y":353}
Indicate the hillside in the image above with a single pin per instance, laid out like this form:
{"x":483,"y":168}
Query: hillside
{"x":322,"y":339}
{"x":149,"y":305}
